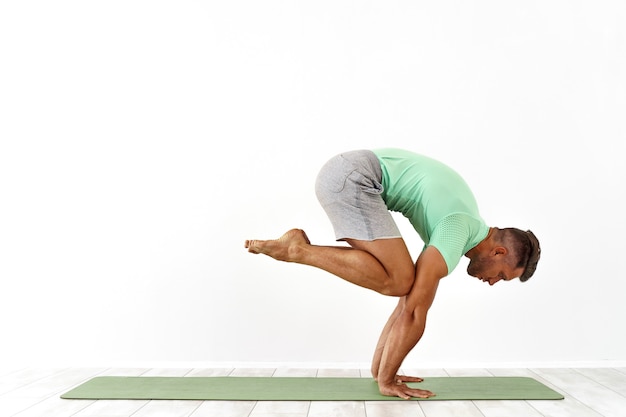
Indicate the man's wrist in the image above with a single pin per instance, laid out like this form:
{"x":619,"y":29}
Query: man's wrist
{"x":386,"y":380}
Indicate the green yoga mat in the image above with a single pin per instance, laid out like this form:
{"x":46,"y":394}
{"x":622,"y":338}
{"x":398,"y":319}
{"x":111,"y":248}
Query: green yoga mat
{"x":302,"y":389}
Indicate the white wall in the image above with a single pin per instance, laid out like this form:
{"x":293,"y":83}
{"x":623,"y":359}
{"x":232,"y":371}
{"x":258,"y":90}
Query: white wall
{"x":143,"y":141}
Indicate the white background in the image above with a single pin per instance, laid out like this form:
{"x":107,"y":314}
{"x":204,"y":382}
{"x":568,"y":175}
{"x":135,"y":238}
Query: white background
{"x":143,"y":141}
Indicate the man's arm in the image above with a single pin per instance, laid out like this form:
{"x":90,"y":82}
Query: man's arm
{"x":382,"y":340}
{"x":378,"y":353}
{"x":408,"y":327}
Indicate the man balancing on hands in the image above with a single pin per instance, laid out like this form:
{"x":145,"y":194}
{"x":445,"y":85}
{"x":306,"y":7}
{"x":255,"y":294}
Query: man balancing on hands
{"x":357,"y":190}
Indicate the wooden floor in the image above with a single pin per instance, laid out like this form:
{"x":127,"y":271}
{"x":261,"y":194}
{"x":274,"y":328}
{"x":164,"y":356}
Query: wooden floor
{"x":588,"y":392}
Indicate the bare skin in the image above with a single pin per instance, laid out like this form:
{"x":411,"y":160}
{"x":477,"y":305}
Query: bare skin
{"x":385,"y":266}
{"x":406,"y":326}
{"x":382,"y":265}
{"x":400,"y":380}
{"x":488,"y":260}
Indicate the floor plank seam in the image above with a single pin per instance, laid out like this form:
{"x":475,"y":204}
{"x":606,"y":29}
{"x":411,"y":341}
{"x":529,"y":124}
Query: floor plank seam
{"x":602,"y":384}
{"x":32,"y":382}
{"x":535,"y":408}
{"x":252,"y":409}
{"x":569,"y":396}
{"x":588,"y":392}
{"x":139,"y":409}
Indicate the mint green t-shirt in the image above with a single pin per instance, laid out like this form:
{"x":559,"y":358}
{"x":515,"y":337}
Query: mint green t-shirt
{"x":435,"y":199}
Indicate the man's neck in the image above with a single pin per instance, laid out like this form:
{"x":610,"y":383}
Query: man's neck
{"x":485,"y":243}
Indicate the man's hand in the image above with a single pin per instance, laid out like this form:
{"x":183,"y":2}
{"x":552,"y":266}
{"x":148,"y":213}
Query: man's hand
{"x":409,"y":321}
{"x":403,"y":391}
{"x":405,"y":378}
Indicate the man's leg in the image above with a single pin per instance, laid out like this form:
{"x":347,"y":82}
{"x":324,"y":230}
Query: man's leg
{"x":382,"y":265}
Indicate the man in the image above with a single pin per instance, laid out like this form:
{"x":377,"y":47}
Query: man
{"x":357,"y":190}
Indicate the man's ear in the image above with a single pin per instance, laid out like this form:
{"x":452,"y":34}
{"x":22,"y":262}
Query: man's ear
{"x":499,"y":250}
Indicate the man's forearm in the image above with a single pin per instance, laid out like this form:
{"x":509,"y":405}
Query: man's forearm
{"x":382,"y":341}
{"x":408,"y":327}
{"x":404,"y":335}
{"x":378,"y":354}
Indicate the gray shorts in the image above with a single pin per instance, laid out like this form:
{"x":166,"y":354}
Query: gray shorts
{"x":349,"y":189}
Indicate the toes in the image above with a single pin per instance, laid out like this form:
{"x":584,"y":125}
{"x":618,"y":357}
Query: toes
{"x":251,"y":246}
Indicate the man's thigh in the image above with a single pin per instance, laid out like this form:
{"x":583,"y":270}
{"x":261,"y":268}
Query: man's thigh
{"x":392,"y":253}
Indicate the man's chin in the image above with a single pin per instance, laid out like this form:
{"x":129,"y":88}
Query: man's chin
{"x":470,"y":273}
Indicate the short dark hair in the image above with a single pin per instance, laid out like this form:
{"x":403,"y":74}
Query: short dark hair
{"x":525,"y":246}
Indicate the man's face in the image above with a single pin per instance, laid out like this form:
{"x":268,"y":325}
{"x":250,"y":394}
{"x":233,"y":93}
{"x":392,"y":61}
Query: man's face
{"x":492,"y":269}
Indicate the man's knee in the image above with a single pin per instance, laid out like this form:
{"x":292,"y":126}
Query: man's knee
{"x":398,"y":286}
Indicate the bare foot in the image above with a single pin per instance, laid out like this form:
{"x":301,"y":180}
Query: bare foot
{"x":283,"y":249}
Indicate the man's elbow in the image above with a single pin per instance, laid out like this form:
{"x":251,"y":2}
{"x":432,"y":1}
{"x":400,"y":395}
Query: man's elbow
{"x":414,"y":316}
